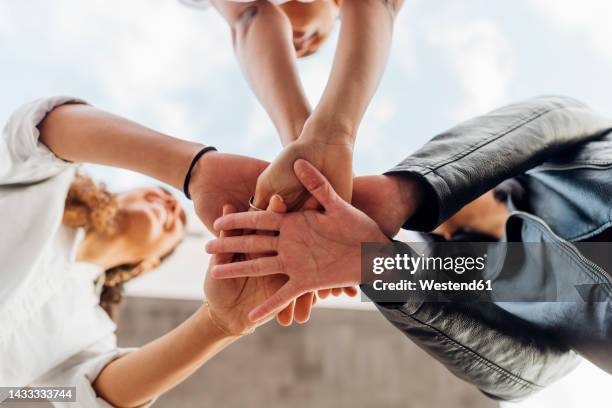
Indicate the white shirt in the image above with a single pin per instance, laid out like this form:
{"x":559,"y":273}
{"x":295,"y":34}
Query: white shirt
{"x":52,"y":330}
{"x":201,"y":4}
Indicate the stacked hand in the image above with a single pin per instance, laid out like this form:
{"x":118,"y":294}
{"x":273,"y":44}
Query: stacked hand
{"x":231,"y":300}
{"x":221,"y":179}
{"x":332,"y":156}
{"x":314,"y":249}
{"x":224,"y":179}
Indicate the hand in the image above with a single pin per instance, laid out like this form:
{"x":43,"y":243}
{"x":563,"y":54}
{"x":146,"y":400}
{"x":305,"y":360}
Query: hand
{"x":389,"y":200}
{"x":219,"y":179}
{"x":315,"y":250}
{"x":231,"y":300}
{"x":333,"y":160}
{"x":300,"y":308}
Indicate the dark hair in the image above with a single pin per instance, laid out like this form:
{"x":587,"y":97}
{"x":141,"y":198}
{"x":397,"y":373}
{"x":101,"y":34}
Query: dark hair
{"x":510,"y":189}
{"x":114,"y":279}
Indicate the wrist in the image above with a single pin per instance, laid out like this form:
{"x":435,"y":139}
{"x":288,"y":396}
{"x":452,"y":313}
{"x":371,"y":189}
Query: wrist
{"x":199,"y":169}
{"x":293,"y":126}
{"x":177,"y":161}
{"x":213,"y":326}
{"x":329,"y":130}
{"x":409,"y":195}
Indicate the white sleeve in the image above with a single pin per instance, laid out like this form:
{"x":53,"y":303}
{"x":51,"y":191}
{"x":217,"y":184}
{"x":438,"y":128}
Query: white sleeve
{"x":23,"y":159}
{"x":81,"y":370}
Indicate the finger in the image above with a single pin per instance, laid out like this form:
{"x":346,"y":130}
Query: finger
{"x":274,"y":303}
{"x":229,"y":257}
{"x":316,"y":184}
{"x":324,"y":293}
{"x":285,"y":317}
{"x":263,"y":191}
{"x":350,"y":291}
{"x":245,"y":244}
{"x":221,"y":259}
{"x":255,"y":220}
{"x":303,"y":307}
{"x":277,"y":204}
{"x":336,"y":292}
{"x":229,"y":209}
{"x":252,"y":268}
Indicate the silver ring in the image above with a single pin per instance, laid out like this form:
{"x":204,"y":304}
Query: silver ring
{"x":251,"y":205}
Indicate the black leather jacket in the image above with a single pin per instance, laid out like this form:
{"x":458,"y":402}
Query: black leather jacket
{"x":561,"y":153}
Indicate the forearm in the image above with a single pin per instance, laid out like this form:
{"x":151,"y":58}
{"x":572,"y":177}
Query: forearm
{"x":470,"y":159}
{"x":481,"y":344}
{"x":142,"y":375}
{"x":263,"y":44}
{"x":81,"y":133}
{"x":359,"y":63}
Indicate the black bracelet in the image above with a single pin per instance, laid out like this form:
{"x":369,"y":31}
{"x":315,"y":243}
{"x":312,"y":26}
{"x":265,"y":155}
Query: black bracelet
{"x":193,"y":163}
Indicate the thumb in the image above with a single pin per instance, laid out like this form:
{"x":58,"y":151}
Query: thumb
{"x":316,"y":184}
{"x":277,"y":205}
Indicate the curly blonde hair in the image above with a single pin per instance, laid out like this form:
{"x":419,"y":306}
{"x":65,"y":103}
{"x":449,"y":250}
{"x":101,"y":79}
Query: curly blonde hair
{"x":90,"y":206}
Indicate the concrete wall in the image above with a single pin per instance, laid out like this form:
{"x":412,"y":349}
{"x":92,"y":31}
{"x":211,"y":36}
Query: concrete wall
{"x":342,"y":358}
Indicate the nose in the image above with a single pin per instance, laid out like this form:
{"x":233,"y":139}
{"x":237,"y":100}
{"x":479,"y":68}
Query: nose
{"x":171,"y":201}
{"x":172,"y":205}
{"x":173,"y":209}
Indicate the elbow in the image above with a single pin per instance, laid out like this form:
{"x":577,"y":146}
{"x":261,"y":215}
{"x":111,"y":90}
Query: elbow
{"x":393,"y":7}
{"x":373,"y":9}
{"x":244,"y":19}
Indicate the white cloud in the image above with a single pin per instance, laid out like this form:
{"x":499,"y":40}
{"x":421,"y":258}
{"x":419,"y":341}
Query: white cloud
{"x":145,"y":55}
{"x":6,"y":26}
{"x":402,"y":48}
{"x":480,"y":55}
{"x":383,"y":109}
{"x":592,"y":18}
{"x":260,"y":130}
{"x":314,"y":74}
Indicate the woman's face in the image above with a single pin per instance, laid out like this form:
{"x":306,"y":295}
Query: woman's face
{"x":151,"y":223}
{"x":312,"y":23}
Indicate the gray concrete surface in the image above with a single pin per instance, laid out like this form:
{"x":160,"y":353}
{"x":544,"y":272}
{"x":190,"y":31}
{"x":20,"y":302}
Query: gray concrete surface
{"x":342,"y":358}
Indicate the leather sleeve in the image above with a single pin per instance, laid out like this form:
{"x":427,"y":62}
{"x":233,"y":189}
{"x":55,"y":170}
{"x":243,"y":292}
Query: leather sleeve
{"x":504,"y":355}
{"x":484,"y":345}
{"x":470,"y":159}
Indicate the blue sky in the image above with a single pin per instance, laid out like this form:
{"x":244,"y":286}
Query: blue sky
{"x":172,"y":68}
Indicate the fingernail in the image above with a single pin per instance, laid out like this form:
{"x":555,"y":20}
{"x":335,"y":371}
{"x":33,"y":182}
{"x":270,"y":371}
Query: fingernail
{"x":252,"y":316}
